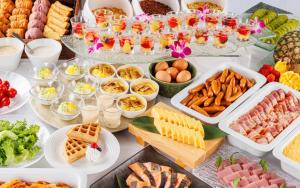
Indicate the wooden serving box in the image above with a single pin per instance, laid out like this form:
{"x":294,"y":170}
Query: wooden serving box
{"x":66,"y":53}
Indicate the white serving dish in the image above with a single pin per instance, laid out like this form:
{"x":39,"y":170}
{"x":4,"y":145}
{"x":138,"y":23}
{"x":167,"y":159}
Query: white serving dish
{"x":222,"y":3}
{"x":51,"y":175}
{"x":98,"y":79}
{"x":132,"y":114}
{"x":52,"y":57}
{"x":140,"y":69}
{"x":259,"y":81}
{"x":90,"y":5}
{"x":149,"y":97}
{"x":288,"y":165}
{"x":238,"y":140}
{"x":10,"y":62}
{"x":173,"y":4}
{"x":114,"y":94}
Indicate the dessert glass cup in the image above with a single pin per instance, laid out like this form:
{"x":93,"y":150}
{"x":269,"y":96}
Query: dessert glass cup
{"x":243,"y":32}
{"x":220,"y":38}
{"x":174,"y":20}
{"x":127,"y":41}
{"x":147,"y":43}
{"x":78,"y":24}
{"x":112,"y":117}
{"x":118,"y":23}
{"x":157,"y":23}
{"x":90,"y":34}
{"x":191,"y":19}
{"x":107,"y":38}
{"x":165,"y":40}
{"x":230,"y":22}
{"x":103,"y":17}
{"x":211,"y":21}
{"x":138,"y":26}
{"x":201,"y":35}
{"x":185,"y":35}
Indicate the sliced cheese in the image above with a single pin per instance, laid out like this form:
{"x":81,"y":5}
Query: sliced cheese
{"x":57,"y":16}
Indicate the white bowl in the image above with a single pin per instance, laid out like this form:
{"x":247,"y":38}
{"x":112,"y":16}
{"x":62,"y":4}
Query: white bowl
{"x":91,"y":5}
{"x":222,"y":3}
{"x":126,"y":66}
{"x":98,"y":79}
{"x":51,"y":57}
{"x":173,"y":4}
{"x":10,"y":62}
{"x":132,"y":114}
{"x":114,"y":94}
{"x":149,"y":97}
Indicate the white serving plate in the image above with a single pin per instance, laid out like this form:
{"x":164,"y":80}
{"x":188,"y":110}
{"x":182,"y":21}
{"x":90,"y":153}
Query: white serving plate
{"x":238,"y":140}
{"x":51,"y":175}
{"x":259,"y":79}
{"x":55,"y":152}
{"x":222,"y":3}
{"x":43,"y":136}
{"x":173,"y":4}
{"x":93,"y":4}
{"x":22,"y":85}
{"x":288,"y":165}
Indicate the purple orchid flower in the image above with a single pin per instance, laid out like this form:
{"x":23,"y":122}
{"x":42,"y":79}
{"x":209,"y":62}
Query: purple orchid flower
{"x":96,"y":46}
{"x":202,"y":12}
{"x":143,"y":17}
{"x":257,"y":25}
{"x":179,"y":49}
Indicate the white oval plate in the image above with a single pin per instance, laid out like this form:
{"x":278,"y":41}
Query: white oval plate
{"x":43,"y":136}
{"x":22,"y":85}
{"x":55,"y":152}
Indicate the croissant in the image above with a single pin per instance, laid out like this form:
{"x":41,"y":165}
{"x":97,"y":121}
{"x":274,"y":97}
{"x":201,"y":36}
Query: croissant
{"x":18,"y":17}
{"x":20,"y":32}
{"x":17,"y":11}
{"x":24,"y":4}
{"x":4,"y":19}
{"x":8,"y":6}
{"x":3,"y":27}
{"x":20,"y":24}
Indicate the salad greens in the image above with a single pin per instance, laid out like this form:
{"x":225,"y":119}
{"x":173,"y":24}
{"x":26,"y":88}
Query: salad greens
{"x":17,"y":142}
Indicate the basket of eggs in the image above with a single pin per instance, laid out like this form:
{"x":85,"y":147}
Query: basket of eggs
{"x":172,"y":76}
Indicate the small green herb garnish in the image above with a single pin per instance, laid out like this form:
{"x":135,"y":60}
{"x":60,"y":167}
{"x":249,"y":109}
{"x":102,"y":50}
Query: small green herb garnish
{"x":283,"y":185}
{"x":264,"y":164}
{"x":232,"y":158}
{"x":218,"y":161}
{"x":236,"y":182}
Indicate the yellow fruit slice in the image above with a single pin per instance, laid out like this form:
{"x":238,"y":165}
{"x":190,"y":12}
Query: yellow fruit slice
{"x":281,"y":67}
{"x":290,"y":79}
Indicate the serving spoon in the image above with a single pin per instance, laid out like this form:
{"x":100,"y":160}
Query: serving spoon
{"x":18,"y":37}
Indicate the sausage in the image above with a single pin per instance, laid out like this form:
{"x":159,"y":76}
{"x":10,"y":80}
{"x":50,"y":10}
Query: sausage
{"x":208,"y":101}
{"x":250,"y":83}
{"x":229,"y":89}
{"x":187,"y":99}
{"x":213,"y":109}
{"x":192,"y":101}
{"x":234,"y":89}
{"x":234,"y":97}
{"x":196,"y":89}
{"x":219,"y":98}
{"x":204,"y":92}
{"x":210,"y":92}
{"x":224,"y":75}
{"x":243,"y":82}
{"x":214,"y":77}
{"x":225,"y":103}
{"x":216,"y":86}
{"x":200,"y":100}
{"x":223,"y":87}
{"x":231,"y":75}
{"x":237,"y":75}
{"x":216,"y":114}
{"x":199,"y":109}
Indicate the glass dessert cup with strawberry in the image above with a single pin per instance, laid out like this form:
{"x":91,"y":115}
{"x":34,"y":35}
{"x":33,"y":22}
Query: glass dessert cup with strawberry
{"x":118,"y":23}
{"x":103,"y":17}
{"x":211,"y":21}
{"x":157,"y":24}
{"x":201,"y":36}
{"x":220,"y":38}
{"x":174,"y":20}
{"x":108,"y":40}
{"x":243,"y":32}
{"x":229,"y":22}
{"x":147,"y":43}
{"x":138,"y":26}
{"x":90,"y":34}
{"x":165,"y":40}
{"x":78,"y":24}
{"x":185,"y":35}
{"x":127,"y":41}
{"x":191,"y":19}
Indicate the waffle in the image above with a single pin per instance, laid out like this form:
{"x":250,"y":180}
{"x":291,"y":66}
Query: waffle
{"x":86,"y":132}
{"x":74,"y":150}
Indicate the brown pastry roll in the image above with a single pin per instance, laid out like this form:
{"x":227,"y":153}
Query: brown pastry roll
{"x":8,"y":6}
{"x":17,"y":11}
{"x":24,"y":4}
{"x":20,"y":24}
{"x":20,"y":32}
{"x":4,"y":13}
{"x":4,"y":20}
{"x":18,"y":17}
{"x":1,"y":35}
{"x":3,"y":27}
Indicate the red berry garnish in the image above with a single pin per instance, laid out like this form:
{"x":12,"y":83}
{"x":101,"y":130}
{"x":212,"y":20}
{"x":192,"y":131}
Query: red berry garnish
{"x":94,"y":145}
{"x":271,"y":78}
{"x":268,"y":67}
{"x":276,"y":73}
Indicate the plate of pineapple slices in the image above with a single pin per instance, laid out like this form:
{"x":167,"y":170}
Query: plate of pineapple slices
{"x":85,"y":147}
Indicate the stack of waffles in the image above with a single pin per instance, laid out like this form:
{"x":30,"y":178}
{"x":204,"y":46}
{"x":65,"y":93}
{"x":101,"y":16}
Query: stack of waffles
{"x":78,"y":139}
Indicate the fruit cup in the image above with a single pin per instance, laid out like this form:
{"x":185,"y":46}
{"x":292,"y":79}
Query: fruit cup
{"x":118,"y":23}
{"x":103,"y":17}
{"x":147,"y":43}
{"x":126,"y":41}
{"x":220,"y":38}
{"x":174,"y":20}
{"x":157,"y":23}
{"x":165,"y":40}
{"x":90,"y":34}
{"x":185,"y":35}
{"x":191,"y":19}
{"x":229,"y":22}
{"x":243,"y":32}
{"x":201,"y":35}
{"x":138,"y":26}
{"x":108,"y":40}
{"x":211,"y":21}
{"x":77,"y":23}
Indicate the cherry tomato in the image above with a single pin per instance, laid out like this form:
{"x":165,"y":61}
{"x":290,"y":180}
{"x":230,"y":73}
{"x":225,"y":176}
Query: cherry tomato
{"x":5,"y":101}
{"x":1,"y":95}
{"x":0,"y":81}
{"x":12,"y":92}
{"x":6,"y":83}
{"x":3,"y":88}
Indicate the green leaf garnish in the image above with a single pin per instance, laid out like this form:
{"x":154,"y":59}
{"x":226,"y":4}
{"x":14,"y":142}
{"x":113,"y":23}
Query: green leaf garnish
{"x":236,"y":181}
{"x":218,"y":161}
{"x":283,"y":185}
{"x":264,"y":164}
{"x":121,"y":182}
{"x":232,"y":158}
{"x":146,"y":123}
{"x":212,"y":132}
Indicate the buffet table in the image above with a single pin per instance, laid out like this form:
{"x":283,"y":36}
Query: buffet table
{"x":127,"y":142}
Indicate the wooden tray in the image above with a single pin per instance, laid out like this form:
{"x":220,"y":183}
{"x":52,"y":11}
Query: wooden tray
{"x":184,"y":155}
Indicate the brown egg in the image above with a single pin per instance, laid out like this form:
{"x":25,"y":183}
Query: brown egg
{"x":180,"y":64}
{"x":173,"y":72}
{"x":163,"y":76}
{"x":161,"y":66}
{"x":183,"y":76}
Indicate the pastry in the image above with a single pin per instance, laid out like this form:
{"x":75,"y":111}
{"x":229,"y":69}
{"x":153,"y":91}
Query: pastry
{"x":33,"y":33}
{"x":26,"y":4}
{"x":17,"y":11}
{"x":8,"y":6}
{"x":1,"y":35}
{"x":20,"y":32}
{"x":57,"y":16}
{"x":58,"y":22}
{"x":49,"y":33}
{"x":86,"y":132}
{"x":57,"y":29}
{"x":74,"y":150}
{"x":18,"y":17}
{"x":4,"y":13}
{"x":63,"y":7}
{"x":20,"y":24}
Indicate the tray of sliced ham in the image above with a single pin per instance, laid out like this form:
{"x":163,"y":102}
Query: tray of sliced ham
{"x":265,"y":119}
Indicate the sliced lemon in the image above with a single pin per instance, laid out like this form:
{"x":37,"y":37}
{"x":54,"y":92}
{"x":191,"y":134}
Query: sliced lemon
{"x":290,"y":79}
{"x":281,"y":67}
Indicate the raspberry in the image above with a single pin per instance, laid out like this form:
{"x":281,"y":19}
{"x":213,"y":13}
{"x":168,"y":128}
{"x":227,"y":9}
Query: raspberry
{"x":271,"y":78}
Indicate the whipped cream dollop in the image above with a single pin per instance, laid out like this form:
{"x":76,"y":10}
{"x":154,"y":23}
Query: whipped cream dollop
{"x":93,"y":153}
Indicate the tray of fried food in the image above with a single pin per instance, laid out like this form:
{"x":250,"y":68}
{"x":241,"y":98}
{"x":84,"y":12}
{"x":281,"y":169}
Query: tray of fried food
{"x":217,"y":93}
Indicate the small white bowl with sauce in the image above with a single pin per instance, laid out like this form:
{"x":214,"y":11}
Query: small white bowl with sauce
{"x":11,"y":50}
{"x":45,"y":50}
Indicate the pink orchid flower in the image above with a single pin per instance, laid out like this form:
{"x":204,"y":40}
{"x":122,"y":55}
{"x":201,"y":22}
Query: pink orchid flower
{"x":96,"y":46}
{"x":179,"y":49}
{"x":143,"y":17}
{"x":257,"y":26}
{"x":202,"y":12}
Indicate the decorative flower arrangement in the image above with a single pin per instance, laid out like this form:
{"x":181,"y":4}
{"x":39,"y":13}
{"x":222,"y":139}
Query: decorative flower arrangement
{"x":201,"y":13}
{"x":180,"y":50}
{"x":97,"y":45}
{"x":257,"y":26}
{"x":143,"y":17}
